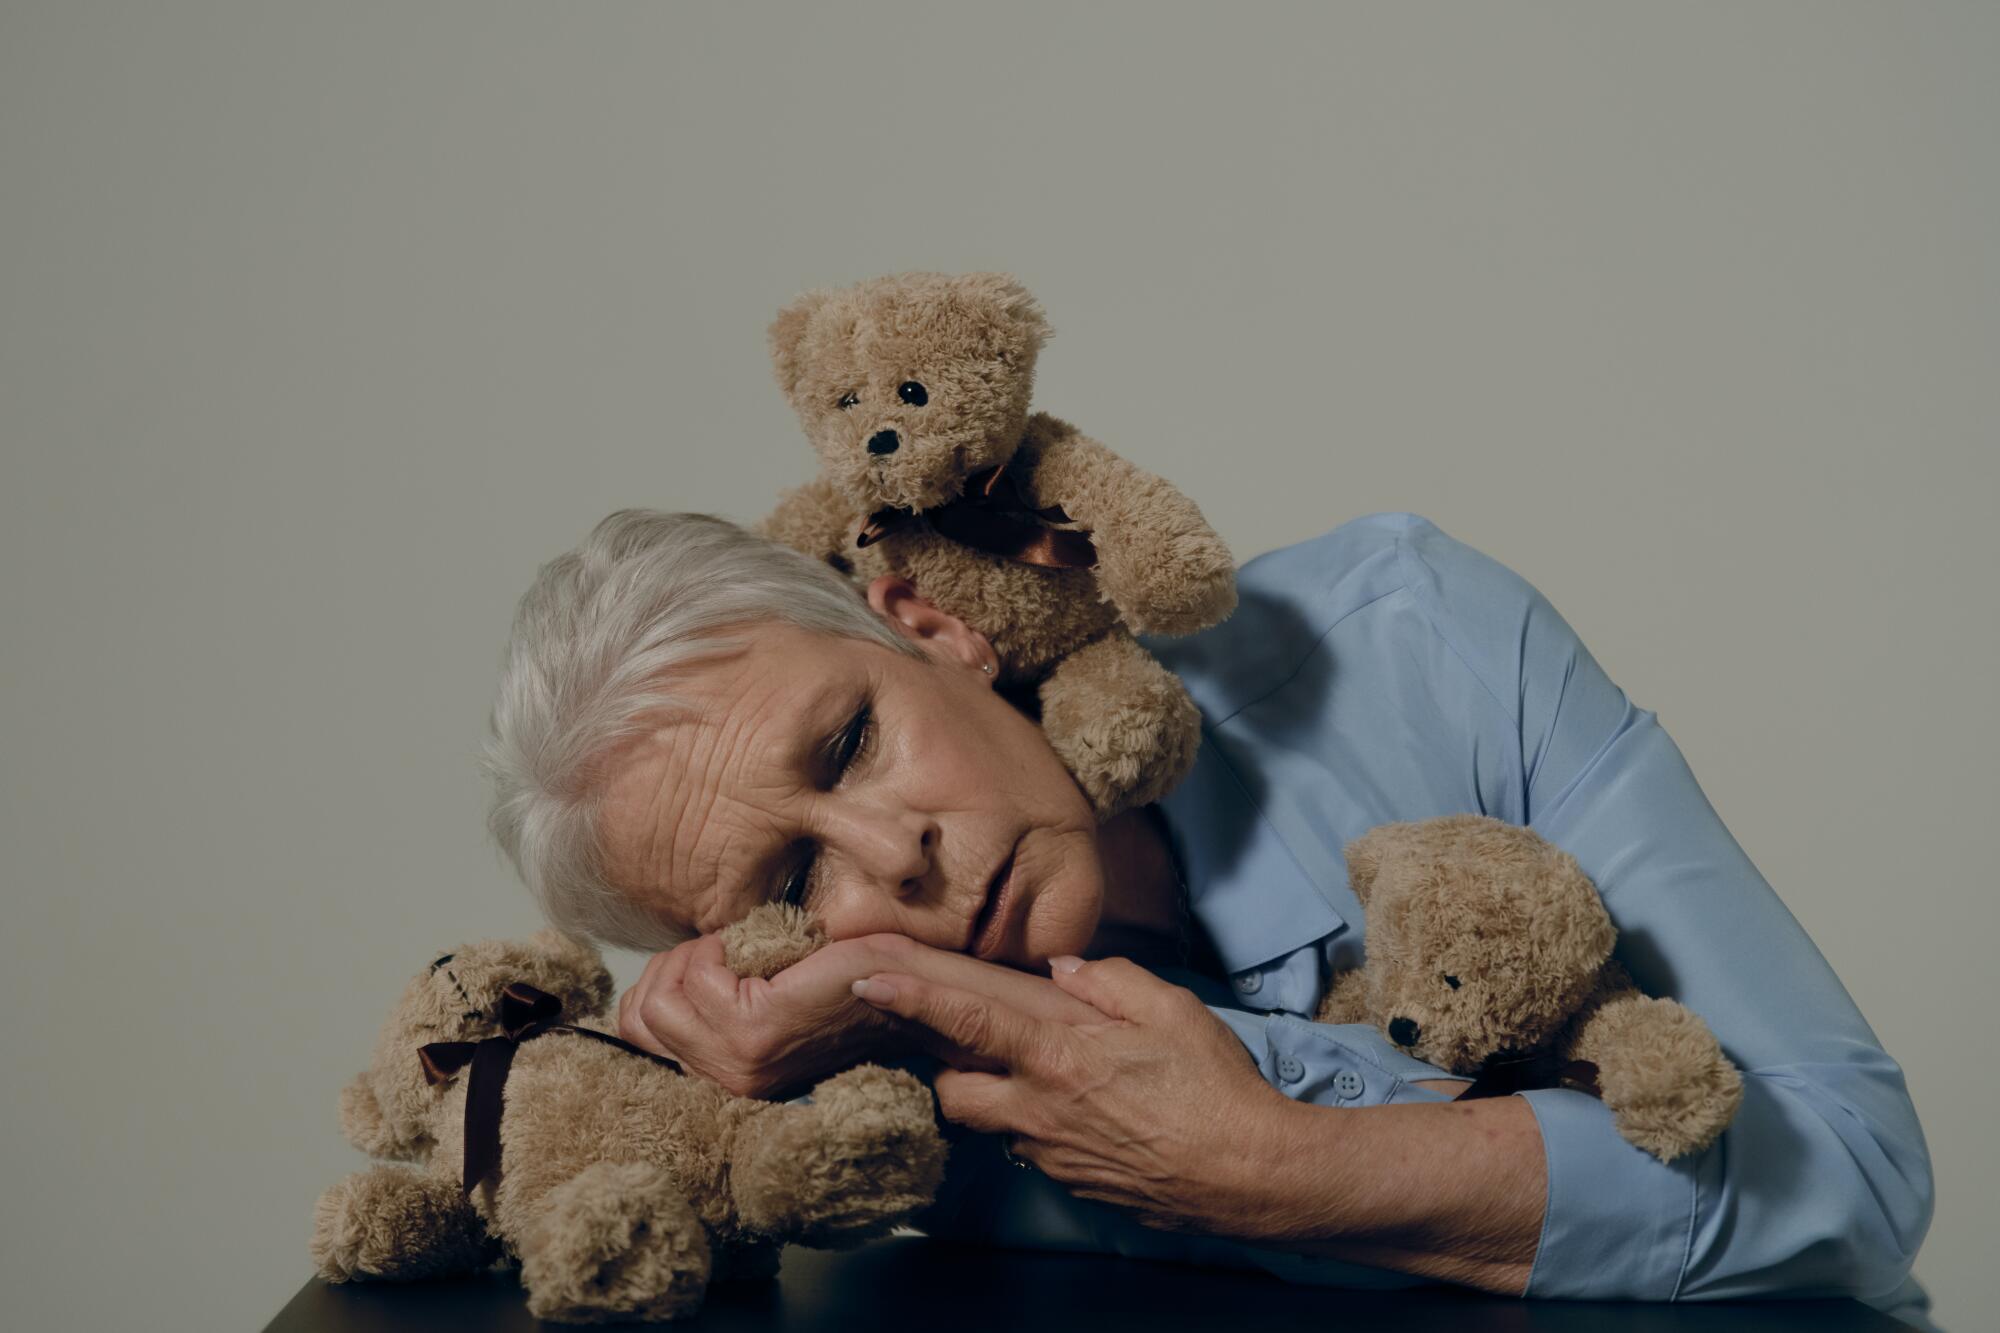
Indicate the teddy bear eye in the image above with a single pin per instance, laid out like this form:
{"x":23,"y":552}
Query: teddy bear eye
{"x":847,"y":400}
{"x":912,"y":393}
{"x":1451,"y":981}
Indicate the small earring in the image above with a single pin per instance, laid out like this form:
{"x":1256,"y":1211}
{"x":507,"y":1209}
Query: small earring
{"x":987,"y":667}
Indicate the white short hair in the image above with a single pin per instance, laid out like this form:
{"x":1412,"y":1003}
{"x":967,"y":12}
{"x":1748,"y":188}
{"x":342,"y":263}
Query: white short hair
{"x":590,"y":663}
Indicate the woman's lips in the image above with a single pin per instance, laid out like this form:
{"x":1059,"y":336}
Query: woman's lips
{"x":991,"y":924}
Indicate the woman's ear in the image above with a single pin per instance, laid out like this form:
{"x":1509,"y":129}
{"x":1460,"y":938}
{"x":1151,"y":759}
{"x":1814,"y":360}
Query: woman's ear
{"x":939,"y":633}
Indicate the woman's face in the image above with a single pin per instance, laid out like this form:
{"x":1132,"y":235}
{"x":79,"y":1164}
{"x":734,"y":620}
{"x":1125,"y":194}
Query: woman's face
{"x":881,"y":792}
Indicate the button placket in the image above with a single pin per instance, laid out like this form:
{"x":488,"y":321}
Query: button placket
{"x":1248,"y":983}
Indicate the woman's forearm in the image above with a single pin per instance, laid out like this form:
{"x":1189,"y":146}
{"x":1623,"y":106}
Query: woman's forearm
{"x":1451,"y":1190}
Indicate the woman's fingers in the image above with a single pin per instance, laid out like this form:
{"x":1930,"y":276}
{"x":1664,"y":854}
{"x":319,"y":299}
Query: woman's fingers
{"x":652,"y":1011}
{"x":633,"y":1006}
{"x":1121,"y":989}
{"x":706,"y":977}
{"x":971,"y":1024}
{"x":976,"y":1100}
{"x":1032,"y":995}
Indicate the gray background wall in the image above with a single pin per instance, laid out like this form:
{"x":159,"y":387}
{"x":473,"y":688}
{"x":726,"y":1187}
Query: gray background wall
{"x":321,"y":326}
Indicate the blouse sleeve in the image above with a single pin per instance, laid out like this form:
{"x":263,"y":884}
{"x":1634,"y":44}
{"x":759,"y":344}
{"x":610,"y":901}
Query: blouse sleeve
{"x":1822,"y":1184}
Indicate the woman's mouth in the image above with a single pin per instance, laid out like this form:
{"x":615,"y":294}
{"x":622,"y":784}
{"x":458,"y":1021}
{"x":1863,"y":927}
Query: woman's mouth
{"x":991,"y":923}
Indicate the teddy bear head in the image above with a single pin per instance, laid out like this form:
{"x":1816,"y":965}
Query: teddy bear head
{"x":387,"y":1111}
{"x":908,"y":384}
{"x":1482,"y":938}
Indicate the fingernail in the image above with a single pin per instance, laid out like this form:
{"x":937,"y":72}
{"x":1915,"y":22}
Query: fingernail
{"x":874,"y":991}
{"x":1065,"y":962}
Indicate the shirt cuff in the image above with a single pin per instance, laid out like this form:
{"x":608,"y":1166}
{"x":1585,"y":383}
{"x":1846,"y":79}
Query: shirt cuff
{"x":1331,"y":1064}
{"x":1618,"y":1222}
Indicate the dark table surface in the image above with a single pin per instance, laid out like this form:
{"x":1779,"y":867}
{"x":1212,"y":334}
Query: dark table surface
{"x":918,"y":1284}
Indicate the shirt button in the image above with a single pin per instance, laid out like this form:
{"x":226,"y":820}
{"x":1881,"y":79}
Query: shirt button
{"x":1250,"y":982}
{"x":1348,"y":1085}
{"x":1291,"y":1070}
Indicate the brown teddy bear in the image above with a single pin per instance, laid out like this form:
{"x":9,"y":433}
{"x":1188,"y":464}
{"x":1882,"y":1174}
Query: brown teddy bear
{"x":914,"y":392}
{"x":1489,"y":953}
{"x":622,"y":1185}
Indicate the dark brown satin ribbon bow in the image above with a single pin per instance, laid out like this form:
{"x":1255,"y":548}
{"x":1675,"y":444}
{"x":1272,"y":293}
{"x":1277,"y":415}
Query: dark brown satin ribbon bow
{"x":1509,"y":1072}
{"x":525,"y":1013}
{"x":995,"y":516}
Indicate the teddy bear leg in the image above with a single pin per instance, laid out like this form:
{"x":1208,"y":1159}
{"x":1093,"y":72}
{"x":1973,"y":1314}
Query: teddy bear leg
{"x":392,"y":1222}
{"x":617,"y":1240}
{"x":1122,"y":723}
{"x":1661,"y":1072}
{"x":862,"y":1155}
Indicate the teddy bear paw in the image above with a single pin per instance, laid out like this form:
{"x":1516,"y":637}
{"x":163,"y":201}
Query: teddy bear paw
{"x":616,"y":1241}
{"x":1664,"y":1078}
{"x":864,"y":1154}
{"x":1121,"y":723}
{"x":392,"y":1222}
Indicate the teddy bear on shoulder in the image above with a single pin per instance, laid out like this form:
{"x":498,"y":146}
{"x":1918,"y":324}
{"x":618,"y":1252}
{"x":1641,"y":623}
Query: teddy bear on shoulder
{"x":914,"y":391}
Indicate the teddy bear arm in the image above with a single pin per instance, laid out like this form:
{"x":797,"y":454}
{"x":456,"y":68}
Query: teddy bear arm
{"x":618,"y":1240}
{"x":1158,"y":560}
{"x":395,"y":1223}
{"x":1660,"y":1071}
{"x":814,"y":519}
{"x":1121,"y":723}
{"x":363,"y":1124}
{"x":863,"y":1155}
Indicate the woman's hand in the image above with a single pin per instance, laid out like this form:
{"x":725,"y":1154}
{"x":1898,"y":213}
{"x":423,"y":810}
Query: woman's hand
{"x":764,"y":1037}
{"x":1153,"y":1106}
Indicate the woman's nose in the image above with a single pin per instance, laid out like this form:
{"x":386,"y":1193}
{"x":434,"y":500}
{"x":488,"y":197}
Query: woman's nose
{"x":892,"y":849}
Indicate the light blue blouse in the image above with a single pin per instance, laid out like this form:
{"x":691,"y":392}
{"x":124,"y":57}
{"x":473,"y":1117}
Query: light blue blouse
{"x":1387,"y":671}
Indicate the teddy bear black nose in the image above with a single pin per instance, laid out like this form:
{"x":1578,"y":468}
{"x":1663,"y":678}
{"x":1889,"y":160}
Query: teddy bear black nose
{"x":1404,"y":1031}
{"x":883,"y":442}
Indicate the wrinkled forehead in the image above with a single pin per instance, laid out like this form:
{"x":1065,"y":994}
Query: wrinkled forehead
{"x":690,"y":808}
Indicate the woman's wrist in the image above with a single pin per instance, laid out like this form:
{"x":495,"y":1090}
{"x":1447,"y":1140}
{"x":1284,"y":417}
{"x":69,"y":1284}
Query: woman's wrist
{"x":1447,"y":1190}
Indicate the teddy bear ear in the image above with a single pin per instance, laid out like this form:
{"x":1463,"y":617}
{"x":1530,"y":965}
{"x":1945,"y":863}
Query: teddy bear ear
{"x":787,"y":336}
{"x":1023,"y":313}
{"x":1583,"y":943}
{"x":1364,"y":858}
{"x":567,"y":964}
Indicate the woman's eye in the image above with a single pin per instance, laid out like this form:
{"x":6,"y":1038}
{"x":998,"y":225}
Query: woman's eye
{"x":847,"y":400}
{"x":798,"y":882}
{"x":912,"y":393}
{"x":854,"y":741}
{"x":1451,"y":981}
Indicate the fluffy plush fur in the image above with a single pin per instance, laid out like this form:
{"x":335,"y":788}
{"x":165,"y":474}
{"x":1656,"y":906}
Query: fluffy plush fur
{"x":1484,"y":938}
{"x":624,"y":1187}
{"x":1121,"y":722}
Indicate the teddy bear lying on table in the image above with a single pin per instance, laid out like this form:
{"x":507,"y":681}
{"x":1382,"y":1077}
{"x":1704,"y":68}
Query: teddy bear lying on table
{"x":914,"y":392}
{"x":1489,"y":954}
{"x":622,"y":1185}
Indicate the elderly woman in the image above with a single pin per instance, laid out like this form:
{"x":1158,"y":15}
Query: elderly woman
{"x":694,"y":721}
